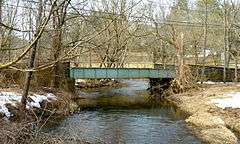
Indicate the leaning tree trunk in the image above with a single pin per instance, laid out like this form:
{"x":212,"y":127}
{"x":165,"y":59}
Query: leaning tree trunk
{"x":57,"y":48}
{"x":32,"y":59}
{"x":58,"y":22}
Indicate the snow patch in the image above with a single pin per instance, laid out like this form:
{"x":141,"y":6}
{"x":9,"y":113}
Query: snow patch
{"x":13,"y":98}
{"x":211,"y":82}
{"x":229,"y":100}
{"x":80,"y":80}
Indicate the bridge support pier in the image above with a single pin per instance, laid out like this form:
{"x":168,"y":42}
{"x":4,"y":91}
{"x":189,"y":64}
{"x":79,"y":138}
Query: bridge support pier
{"x":159,"y":85}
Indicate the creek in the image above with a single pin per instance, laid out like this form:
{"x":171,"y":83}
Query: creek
{"x":125,"y":115}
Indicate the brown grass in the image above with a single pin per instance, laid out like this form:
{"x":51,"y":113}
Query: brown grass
{"x":11,"y":133}
{"x":23,"y":133}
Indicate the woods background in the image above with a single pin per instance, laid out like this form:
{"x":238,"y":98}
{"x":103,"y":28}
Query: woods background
{"x":36,"y":36}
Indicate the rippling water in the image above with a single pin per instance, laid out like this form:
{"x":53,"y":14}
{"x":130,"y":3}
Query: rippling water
{"x":149,"y":123}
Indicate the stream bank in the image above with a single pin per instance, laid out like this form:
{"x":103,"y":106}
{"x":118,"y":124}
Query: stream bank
{"x":210,"y":123}
{"x":43,"y":102}
{"x":43,"y":105}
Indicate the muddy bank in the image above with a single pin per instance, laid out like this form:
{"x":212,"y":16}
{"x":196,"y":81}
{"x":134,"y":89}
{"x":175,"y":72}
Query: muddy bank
{"x":210,"y":123}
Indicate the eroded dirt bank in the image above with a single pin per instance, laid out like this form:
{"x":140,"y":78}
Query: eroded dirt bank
{"x":210,"y":123}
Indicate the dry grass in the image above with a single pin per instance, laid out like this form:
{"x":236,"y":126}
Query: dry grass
{"x":11,"y":133}
{"x":17,"y":133}
{"x":23,"y":133}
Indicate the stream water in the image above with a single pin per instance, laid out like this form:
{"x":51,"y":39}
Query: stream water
{"x":126,"y":115}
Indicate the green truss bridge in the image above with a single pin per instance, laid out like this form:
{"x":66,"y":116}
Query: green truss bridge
{"x":120,"y":73}
{"x":212,"y":73}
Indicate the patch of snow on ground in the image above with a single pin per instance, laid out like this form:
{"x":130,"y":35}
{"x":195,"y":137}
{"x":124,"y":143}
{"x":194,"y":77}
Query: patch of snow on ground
{"x":210,"y":82}
{"x":13,"y":98}
{"x":230,"y":100}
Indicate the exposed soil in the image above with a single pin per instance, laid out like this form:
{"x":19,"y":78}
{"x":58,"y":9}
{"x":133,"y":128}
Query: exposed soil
{"x":210,"y":123}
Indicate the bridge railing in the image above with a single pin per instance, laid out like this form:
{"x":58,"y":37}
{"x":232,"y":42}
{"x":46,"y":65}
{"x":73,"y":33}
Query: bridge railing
{"x":125,"y":65}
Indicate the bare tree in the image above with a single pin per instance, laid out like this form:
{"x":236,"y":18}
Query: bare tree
{"x":32,"y":56}
{"x":58,"y":21}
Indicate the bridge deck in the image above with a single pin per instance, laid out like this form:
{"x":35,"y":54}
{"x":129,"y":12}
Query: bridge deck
{"x":120,"y":73}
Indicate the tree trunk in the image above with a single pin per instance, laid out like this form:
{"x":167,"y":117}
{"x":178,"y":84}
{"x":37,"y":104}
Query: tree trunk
{"x":1,"y":34}
{"x":195,"y":54}
{"x":225,"y":42}
{"x":1,"y":5}
{"x":56,"y":45}
{"x":205,"y":42}
{"x":57,"y":49}
{"x":236,"y":70}
{"x":181,"y":55}
{"x":32,"y":59}
{"x":58,"y":21}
